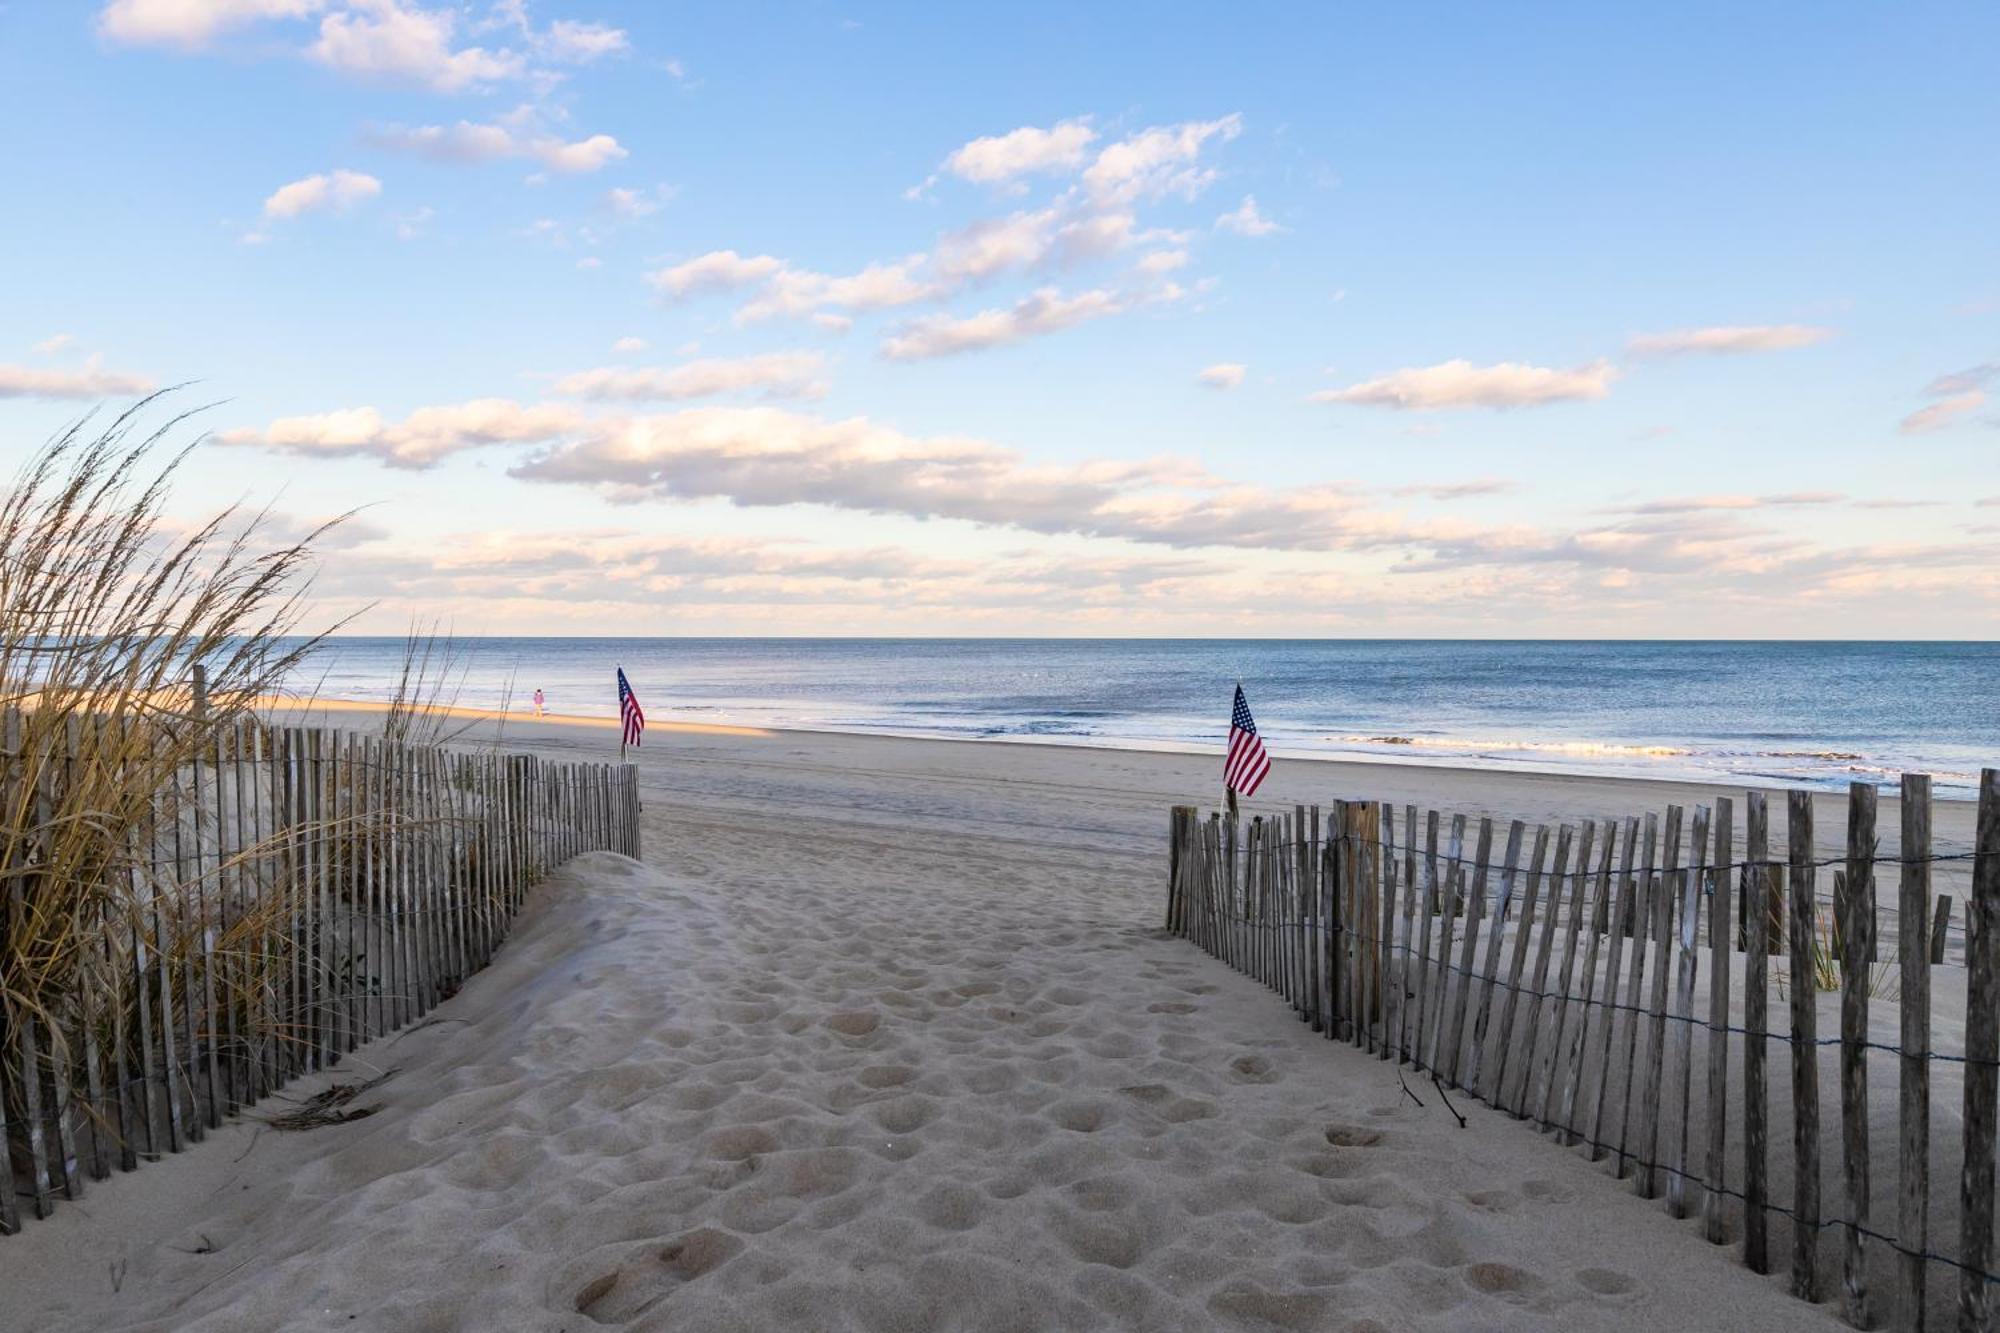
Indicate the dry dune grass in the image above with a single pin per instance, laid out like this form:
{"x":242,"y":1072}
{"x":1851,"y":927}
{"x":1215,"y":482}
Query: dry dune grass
{"x":104,"y":608}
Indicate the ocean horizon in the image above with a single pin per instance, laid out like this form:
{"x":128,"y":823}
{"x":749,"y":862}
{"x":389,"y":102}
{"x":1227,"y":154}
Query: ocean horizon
{"x":1808,"y":712}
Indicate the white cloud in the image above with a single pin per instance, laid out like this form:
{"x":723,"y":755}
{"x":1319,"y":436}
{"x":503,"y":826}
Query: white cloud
{"x":420,"y":440}
{"x":1224,"y":375}
{"x":1945,"y":412}
{"x":1162,"y":261}
{"x":1044,"y":311}
{"x":1455,"y":490}
{"x":716,"y":271}
{"x":1002,"y":158}
{"x":191,"y":24}
{"x":1158,"y":161}
{"x":631,"y":203}
{"x":578,"y":43}
{"x":765,"y":456}
{"x":1456,"y":384}
{"x":1958,"y":395}
{"x":775,"y":374}
{"x":629,"y":344}
{"x":517,"y":135}
{"x":93,"y":381}
{"x":1247,"y":221}
{"x":1727,"y":339}
{"x":1099,"y":235}
{"x":338,"y":191}
{"x":879,"y":286}
{"x":994,"y":245}
{"x":391,"y":41}
{"x":1693,"y":504}
{"x":60,"y":342}
{"x":397,"y":41}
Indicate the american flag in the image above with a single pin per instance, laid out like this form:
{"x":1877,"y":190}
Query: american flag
{"x":630,"y":713}
{"x":1247,"y":764}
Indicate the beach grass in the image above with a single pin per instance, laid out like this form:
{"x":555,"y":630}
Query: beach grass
{"x":106,"y":605}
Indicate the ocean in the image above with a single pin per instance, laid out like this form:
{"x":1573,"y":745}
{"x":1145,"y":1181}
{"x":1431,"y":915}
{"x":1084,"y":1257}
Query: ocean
{"x":1814,"y":713}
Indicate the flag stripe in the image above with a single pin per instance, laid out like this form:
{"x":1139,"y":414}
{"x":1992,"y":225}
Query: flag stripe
{"x":1245,"y":765}
{"x":630,"y":715}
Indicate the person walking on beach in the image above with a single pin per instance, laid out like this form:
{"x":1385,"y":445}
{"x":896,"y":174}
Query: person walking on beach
{"x":538,"y":701}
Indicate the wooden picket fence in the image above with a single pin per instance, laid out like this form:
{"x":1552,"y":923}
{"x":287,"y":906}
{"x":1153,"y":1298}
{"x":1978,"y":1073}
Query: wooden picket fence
{"x":293,"y":894}
{"x":1564,"y":987}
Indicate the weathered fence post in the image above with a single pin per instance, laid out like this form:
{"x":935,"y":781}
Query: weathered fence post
{"x":1683,"y":1034}
{"x":1720,"y":934}
{"x":1179,"y":823}
{"x":1454,"y":860}
{"x":1856,"y":917}
{"x":1982,"y":1049}
{"x":1757,"y":878}
{"x":1913,"y":1172}
{"x":1482,"y":1021}
{"x":1805,"y":1063}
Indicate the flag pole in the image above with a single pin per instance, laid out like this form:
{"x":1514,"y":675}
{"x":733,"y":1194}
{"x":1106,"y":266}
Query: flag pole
{"x":1229,"y":792}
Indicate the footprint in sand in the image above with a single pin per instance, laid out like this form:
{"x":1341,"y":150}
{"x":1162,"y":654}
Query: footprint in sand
{"x":738,"y":1143}
{"x":1494,"y":1201}
{"x":885,"y":1076}
{"x":952,"y":1207}
{"x":621,"y":1295}
{"x":1326,"y":1166}
{"x":1252,"y":1069}
{"x":1247,"y":1303}
{"x":1502,"y":1280}
{"x":1104,"y":1194}
{"x":1093,"y":1240}
{"x":1352,"y":1136}
{"x":992,"y":1078}
{"x":1171,"y":1007}
{"x":1083,"y":1117}
{"x":1605,"y":1281}
{"x":854,"y":1022}
{"x":906,"y":1115}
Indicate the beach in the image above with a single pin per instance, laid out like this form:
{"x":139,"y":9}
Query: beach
{"x":884,"y":1033}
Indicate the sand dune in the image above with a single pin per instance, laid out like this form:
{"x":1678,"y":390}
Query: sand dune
{"x":885,"y":1036}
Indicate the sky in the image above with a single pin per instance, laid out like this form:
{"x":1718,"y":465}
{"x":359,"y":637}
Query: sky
{"x":840,"y":318}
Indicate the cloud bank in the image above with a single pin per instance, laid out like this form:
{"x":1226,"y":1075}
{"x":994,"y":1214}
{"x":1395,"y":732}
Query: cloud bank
{"x":1460,"y":384}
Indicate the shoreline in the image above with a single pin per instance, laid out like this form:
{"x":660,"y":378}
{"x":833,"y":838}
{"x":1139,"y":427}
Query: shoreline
{"x":1449,"y":771}
{"x":467,"y":713}
{"x":1656,"y":709}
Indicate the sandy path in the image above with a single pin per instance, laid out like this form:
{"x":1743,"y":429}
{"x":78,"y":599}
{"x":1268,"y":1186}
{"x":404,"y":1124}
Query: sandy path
{"x":884,"y":1037}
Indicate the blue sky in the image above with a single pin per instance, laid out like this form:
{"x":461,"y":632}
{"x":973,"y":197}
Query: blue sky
{"x":833,"y":318}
